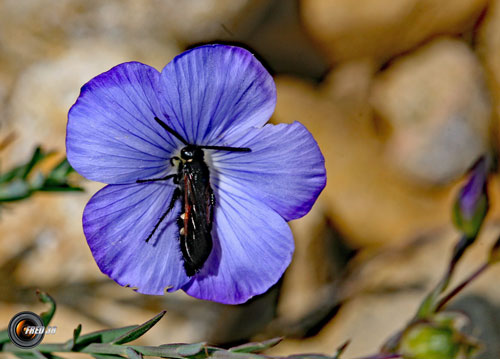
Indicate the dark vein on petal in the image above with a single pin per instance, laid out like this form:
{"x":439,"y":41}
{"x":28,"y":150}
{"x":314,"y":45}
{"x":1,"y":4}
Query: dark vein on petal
{"x":148,"y":104}
{"x":131,"y":123}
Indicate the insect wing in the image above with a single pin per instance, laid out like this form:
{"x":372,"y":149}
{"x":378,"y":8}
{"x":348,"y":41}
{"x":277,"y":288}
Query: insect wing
{"x":199,"y":196}
{"x":196,"y":243}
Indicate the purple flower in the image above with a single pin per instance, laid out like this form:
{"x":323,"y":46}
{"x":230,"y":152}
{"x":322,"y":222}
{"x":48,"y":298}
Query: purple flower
{"x":209,"y":96}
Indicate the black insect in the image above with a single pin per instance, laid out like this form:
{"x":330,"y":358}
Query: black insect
{"x":198,"y":201}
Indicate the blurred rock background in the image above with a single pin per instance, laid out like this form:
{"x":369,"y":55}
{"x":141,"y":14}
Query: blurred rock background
{"x":402,"y":97}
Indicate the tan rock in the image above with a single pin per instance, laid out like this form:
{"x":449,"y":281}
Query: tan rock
{"x":386,"y":288}
{"x":436,"y":103}
{"x":376,"y":28}
{"x":368,"y":198}
{"x":33,"y":30}
{"x":489,"y":50}
{"x":309,"y":270}
{"x":370,"y":201}
{"x":205,"y":20}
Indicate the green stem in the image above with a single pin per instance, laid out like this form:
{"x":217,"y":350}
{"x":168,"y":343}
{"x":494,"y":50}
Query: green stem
{"x":97,"y":348}
{"x":429,"y":305}
{"x":102,"y":348}
{"x":461,"y":286}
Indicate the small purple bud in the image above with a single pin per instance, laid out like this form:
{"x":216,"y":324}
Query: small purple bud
{"x":472,"y":203}
{"x":474,"y":189}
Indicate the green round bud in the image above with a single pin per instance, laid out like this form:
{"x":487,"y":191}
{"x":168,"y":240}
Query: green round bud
{"x":424,"y":341}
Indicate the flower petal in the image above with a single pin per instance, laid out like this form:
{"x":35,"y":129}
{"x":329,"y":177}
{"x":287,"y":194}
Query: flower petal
{"x":117,"y":221}
{"x":112,"y":136}
{"x":285,"y":168}
{"x":253,"y":246}
{"x":217,"y":88}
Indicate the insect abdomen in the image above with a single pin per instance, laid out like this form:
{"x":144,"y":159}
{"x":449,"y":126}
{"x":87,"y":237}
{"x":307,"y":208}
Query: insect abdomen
{"x":195,"y":222}
{"x":195,"y":252}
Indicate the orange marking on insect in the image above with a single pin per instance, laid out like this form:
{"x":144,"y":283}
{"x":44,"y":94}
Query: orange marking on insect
{"x":187,"y":209}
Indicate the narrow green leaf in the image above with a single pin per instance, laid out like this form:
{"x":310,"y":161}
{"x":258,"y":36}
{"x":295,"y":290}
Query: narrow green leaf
{"x":341,"y":349}
{"x":47,"y":316}
{"x":107,"y":348}
{"x":111,"y":335}
{"x":53,"y":356}
{"x":37,"y":156}
{"x":132,"y":354}
{"x":106,"y":356}
{"x":428,"y":305}
{"x":139,"y":330}
{"x":57,"y":179}
{"x":61,"y":171}
{"x":173,"y":346}
{"x":70,"y":344}
{"x":256,"y":347}
{"x":25,"y":355}
{"x":37,"y":182}
{"x":76,"y":333}
{"x":22,"y":171}
{"x":385,"y":356}
{"x":188,"y":350}
{"x":30,"y":354}
{"x":59,"y":187}
{"x":225,"y":354}
{"x":39,"y":355}
{"x":101,"y":336}
{"x":14,"y":191}
{"x":309,"y":356}
{"x":9,"y":175}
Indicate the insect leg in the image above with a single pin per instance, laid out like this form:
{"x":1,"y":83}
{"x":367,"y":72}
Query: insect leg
{"x":156,"y":179}
{"x":175,"y":197}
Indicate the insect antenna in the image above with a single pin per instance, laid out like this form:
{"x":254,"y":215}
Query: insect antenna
{"x":171,"y":131}
{"x":180,"y":138}
{"x":225,"y":148}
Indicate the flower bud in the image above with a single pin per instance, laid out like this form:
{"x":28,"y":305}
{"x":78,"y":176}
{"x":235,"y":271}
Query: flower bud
{"x":472,"y":202}
{"x":433,"y":341}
